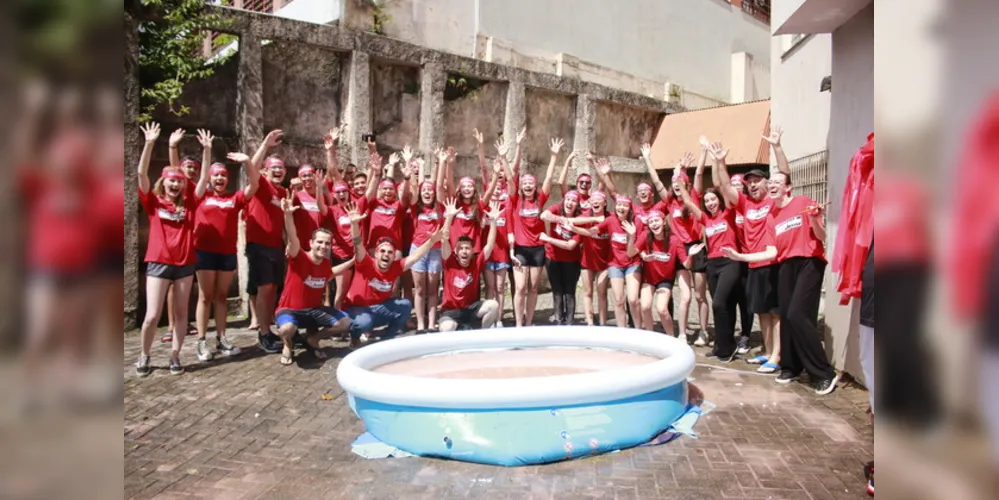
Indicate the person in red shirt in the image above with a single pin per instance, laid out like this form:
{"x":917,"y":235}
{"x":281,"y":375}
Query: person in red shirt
{"x":498,"y":263}
{"x":462,"y":308}
{"x":170,"y":256}
{"x":527,"y":251}
{"x":761,"y":279}
{"x":215,"y":235}
{"x":595,"y":258}
{"x":191,"y":168}
{"x":563,"y":254}
{"x":745,"y":313}
{"x":584,"y":182}
{"x":387,"y":204}
{"x":662,"y":254}
{"x":311,"y":199}
{"x":427,"y":216}
{"x":723,"y":272}
{"x":692,"y":280}
{"x":369,"y":300}
{"x":301,"y":304}
{"x":338,"y":222}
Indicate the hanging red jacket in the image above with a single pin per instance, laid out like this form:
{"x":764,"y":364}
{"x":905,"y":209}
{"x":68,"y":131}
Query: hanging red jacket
{"x":976,"y":216}
{"x":856,"y":229}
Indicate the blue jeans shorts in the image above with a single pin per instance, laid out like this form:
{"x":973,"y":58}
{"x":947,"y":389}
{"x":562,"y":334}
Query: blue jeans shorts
{"x":620,"y":273}
{"x":497,"y":266}
{"x":430,"y":263}
{"x":310,"y":319}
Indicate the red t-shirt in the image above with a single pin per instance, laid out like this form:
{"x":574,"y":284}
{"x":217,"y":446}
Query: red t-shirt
{"x":525,"y":215}
{"x":171,"y":230}
{"x":305,"y":282}
{"x":425,"y":221}
{"x":264,"y":217}
{"x":559,"y":232}
{"x":468,"y":222}
{"x":65,"y":224}
{"x":757,"y":216}
{"x":902,"y":223}
{"x":664,"y":258}
{"x":596,"y":249}
{"x":216,"y":224}
{"x":642,"y":213}
{"x":740,"y":231}
{"x":338,"y":222}
{"x":618,"y":242}
{"x":461,"y":284}
{"x":307,"y":218}
{"x":686,"y":228}
{"x":370,"y":285}
{"x":793,"y":231}
{"x":385,"y":221}
{"x":501,"y":249}
{"x":720,"y":230}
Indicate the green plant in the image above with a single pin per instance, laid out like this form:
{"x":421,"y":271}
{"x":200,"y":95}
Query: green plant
{"x":171,"y":34}
{"x":379,"y":18}
{"x":674,"y":91}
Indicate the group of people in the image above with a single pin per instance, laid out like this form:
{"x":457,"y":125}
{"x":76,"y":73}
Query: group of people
{"x":346,"y":252}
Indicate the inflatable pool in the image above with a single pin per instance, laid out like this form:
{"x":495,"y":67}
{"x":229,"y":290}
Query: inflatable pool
{"x":519,"y":396}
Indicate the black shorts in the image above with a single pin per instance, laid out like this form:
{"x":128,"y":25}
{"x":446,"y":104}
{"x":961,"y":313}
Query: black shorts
{"x":266,"y":266}
{"x":867,"y":290}
{"x":309,"y":319}
{"x":665,"y":285}
{"x":761,"y":289}
{"x":699,"y":263}
{"x":530,"y":256}
{"x":211,"y":261}
{"x":337,"y":262}
{"x":467,"y":318}
{"x":112,"y":263}
{"x":168,"y":272}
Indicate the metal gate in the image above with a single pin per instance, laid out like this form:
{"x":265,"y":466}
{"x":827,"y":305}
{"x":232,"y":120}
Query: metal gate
{"x":810,"y":176}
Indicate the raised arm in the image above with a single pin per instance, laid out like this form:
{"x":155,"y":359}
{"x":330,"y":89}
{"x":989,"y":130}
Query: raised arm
{"x":563,"y":176}
{"x":341,"y":268}
{"x":152,"y":132}
{"x":175,"y":138}
{"x":689,"y":203}
{"x":631,"y":230}
{"x":392,"y":161}
{"x":556,"y":146}
{"x":252,"y":173}
{"x":450,"y":211}
{"x":724,"y":181}
{"x":321,"y":192}
{"x":205,"y":138}
{"x":705,"y":150}
{"x":493,"y":181}
{"x":501,"y":151}
{"x":603,"y":170}
{"x":449,"y":184}
{"x":407,"y":160}
{"x":491,"y":217}
{"x":355,"y":231}
{"x":374,"y":176}
{"x":407,"y":187}
{"x":273,"y":139}
{"x":440,"y":156}
{"x":288,"y":207}
{"x":647,"y":156}
{"x":699,"y":173}
{"x":774,"y":139}
{"x":481,"y":152}
{"x":330,"y":142}
{"x":520,"y":149}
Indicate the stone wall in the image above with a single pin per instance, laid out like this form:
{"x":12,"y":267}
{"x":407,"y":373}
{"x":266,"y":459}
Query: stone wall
{"x":305,"y":78}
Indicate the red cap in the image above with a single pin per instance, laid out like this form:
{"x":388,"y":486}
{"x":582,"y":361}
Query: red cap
{"x":427,"y":184}
{"x":528,"y":177}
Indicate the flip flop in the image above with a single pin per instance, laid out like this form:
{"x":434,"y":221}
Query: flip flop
{"x":287,"y":358}
{"x":758,"y":360}
{"x":769,"y":367}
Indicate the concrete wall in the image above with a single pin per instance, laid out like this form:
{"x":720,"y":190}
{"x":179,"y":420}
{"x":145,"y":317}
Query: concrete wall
{"x":796,"y":103}
{"x":395,"y":104}
{"x":852,"y":119}
{"x":623,"y":129}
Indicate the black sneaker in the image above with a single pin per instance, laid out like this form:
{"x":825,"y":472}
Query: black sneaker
{"x":786,"y":377}
{"x":743,"y":345}
{"x":269,"y":343}
{"x":142,"y":366}
{"x":175,"y":367}
{"x":823,"y":387}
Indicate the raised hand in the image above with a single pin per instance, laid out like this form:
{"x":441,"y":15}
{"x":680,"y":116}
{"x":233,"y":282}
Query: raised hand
{"x":521,"y":135}
{"x":407,"y":153}
{"x":477,"y":135}
{"x":295,"y":184}
{"x":151,"y":130}
{"x":288,"y":203}
{"x":407,"y":170}
{"x":589,"y":157}
{"x":603,"y":166}
{"x":354,"y":214}
{"x":501,"y":147}
{"x":451,"y":207}
{"x":393,"y":158}
{"x":238,"y":157}
{"x":687,"y":160}
{"x":176,"y":137}
{"x":629,"y":228}
{"x":451,"y":154}
{"x":646,"y":151}
{"x":776,"y":132}
{"x":717,"y":151}
{"x":556,"y":146}
{"x":498,"y":167}
{"x":375,"y":164}
{"x":572,"y":156}
{"x":704,"y":142}
{"x":441,"y":154}
{"x":205,"y":138}
{"x":274,"y":138}
{"x":696,"y":249}
{"x":337,"y":132}
{"x":494,"y":211}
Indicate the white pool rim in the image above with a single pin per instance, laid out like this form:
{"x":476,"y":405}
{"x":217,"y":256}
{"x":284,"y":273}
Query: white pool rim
{"x":677,"y":361}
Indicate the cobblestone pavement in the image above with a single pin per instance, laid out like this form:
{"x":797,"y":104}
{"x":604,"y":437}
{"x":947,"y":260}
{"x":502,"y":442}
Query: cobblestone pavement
{"x":246,"y":427}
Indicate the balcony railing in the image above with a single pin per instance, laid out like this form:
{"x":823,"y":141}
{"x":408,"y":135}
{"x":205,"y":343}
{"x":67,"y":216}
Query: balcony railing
{"x":760,"y":9}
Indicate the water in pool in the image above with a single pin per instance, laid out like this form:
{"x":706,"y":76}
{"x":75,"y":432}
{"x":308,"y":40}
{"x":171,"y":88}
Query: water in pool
{"x":515,"y":363}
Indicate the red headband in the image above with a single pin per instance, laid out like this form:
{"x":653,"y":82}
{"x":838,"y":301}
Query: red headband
{"x":386,"y":183}
{"x":273,"y":162}
{"x":654,"y":214}
{"x":572,"y":195}
{"x":386,"y":242}
{"x":466,"y":180}
{"x":194,"y":163}
{"x":341,"y":187}
{"x":173,"y":173}
{"x":736,"y":177}
{"x":584,"y":176}
{"x":427,"y":184}
{"x":598,"y":196}
{"x":644,"y":186}
{"x":528,"y":177}
{"x":219,"y":169}
{"x":306,"y":169}
{"x":623,"y":199}
{"x":681,"y":176}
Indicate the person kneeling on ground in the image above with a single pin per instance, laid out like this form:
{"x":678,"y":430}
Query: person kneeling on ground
{"x":462,"y":268}
{"x":301,"y":304}
{"x":369,"y":299}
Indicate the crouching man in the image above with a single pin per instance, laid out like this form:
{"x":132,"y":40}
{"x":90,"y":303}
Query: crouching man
{"x":301,"y":304}
{"x":462,"y":268}
{"x":369,"y":300}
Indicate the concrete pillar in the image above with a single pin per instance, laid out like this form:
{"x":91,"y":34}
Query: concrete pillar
{"x":585,"y":138}
{"x":742,"y":78}
{"x":133,"y":149}
{"x":433,"y":79}
{"x":250,"y":126}
{"x":358,"y":110}
{"x":515,"y":116}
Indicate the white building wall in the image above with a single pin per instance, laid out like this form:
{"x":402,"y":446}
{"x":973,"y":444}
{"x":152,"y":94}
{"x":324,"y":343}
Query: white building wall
{"x":797,"y":104}
{"x":448,"y":25}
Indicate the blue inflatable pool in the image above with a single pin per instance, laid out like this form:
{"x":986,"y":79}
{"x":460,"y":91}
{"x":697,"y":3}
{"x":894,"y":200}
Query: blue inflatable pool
{"x":521,"y":420}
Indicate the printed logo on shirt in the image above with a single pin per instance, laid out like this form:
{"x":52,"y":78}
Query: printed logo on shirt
{"x":585,"y":205}
{"x":310,"y":206}
{"x":220,"y":202}
{"x":529,"y":212}
{"x":385,"y":210}
{"x":718,"y":228}
{"x":619,"y":237}
{"x":428,"y":216}
{"x":678,"y":213}
{"x":465,"y":215}
{"x":739,"y":220}
{"x":643,"y":218}
{"x":344,"y":220}
{"x":601,"y":236}
{"x":177,"y":216}
{"x":661,"y":256}
{"x":758,"y":213}
{"x":792,"y":223}
{"x":379,"y":285}
{"x":501,"y":222}
{"x":460,"y":283}
{"x":564,"y":233}
{"x":315,"y":283}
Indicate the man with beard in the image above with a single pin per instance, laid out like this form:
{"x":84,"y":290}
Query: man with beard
{"x":462,"y":269}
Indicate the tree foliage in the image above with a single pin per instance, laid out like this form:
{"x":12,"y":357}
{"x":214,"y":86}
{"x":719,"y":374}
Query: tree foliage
{"x":171,"y":34}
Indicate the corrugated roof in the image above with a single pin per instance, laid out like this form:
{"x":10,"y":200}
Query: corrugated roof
{"x":740,"y":127}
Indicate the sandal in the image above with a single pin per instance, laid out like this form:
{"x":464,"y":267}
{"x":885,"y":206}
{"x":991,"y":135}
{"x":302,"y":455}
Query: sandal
{"x":768,"y":367}
{"x":758,"y":360}
{"x":287,"y":357}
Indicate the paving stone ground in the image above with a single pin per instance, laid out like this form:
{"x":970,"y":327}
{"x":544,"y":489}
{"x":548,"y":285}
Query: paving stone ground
{"x":247,"y":428}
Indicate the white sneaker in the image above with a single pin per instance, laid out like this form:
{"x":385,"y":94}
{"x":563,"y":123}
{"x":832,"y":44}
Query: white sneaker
{"x":204,"y":352}
{"x":702,"y":339}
